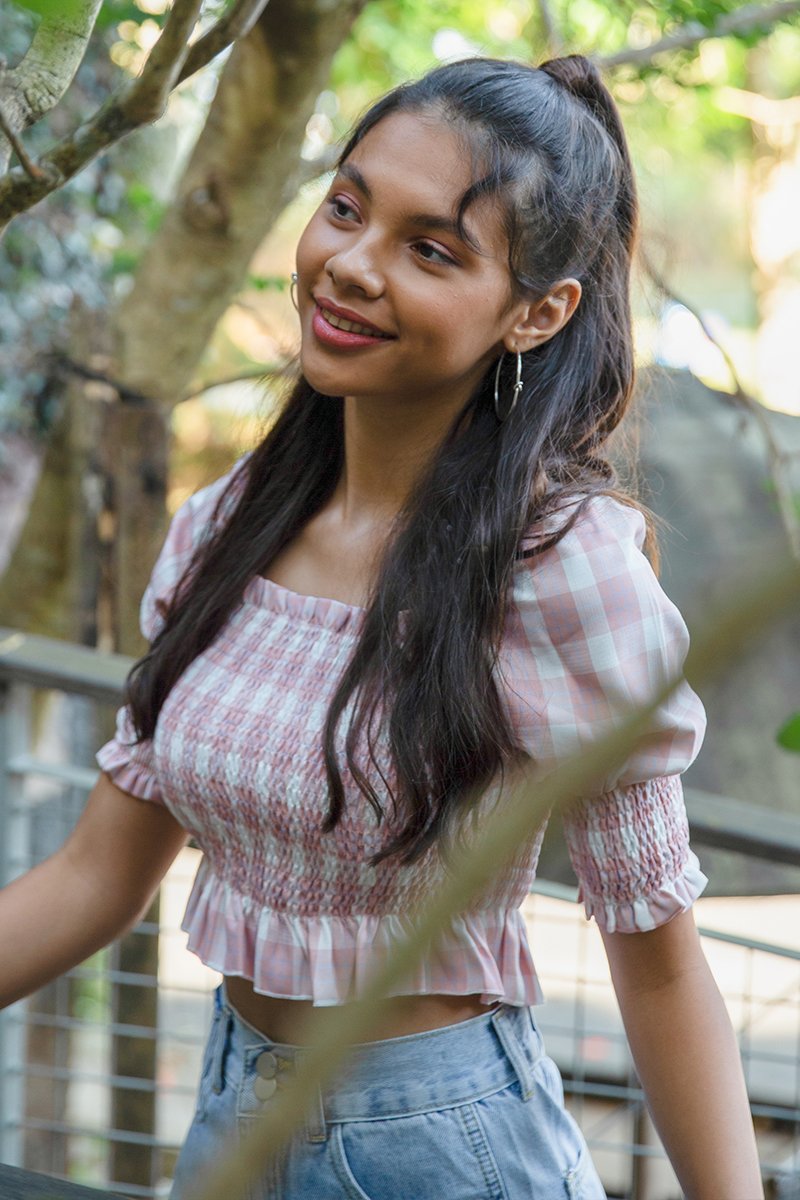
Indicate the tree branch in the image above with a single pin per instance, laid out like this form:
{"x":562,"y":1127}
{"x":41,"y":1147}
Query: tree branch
{"x":147,"y":96}
{"x":26,"y":161}
{"x":552,"y":37}
{"x":233,"y":25}
{"x":265,"y":372}
{"x":60,"y":363}
{"x":312,"y":168}
{"x":778,"y":461}
{"x":139,"y":102}
{"x":742,"y":20}
{"x":41,"y":78}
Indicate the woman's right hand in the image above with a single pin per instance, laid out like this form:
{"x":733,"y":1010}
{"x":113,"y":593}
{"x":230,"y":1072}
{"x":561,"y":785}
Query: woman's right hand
{"x":96,"y":887}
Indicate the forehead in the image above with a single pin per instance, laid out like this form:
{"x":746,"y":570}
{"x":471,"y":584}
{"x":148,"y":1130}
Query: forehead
{"x":418,"y":163}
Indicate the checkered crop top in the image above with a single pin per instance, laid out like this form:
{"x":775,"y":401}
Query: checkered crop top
{"x":237,"y":758}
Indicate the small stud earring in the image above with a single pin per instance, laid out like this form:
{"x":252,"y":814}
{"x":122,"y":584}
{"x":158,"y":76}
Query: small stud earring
{"x":293,"y":291}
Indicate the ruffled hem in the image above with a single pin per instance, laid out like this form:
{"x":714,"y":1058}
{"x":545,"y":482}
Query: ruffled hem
{"x":329,"y":959}
{"x":127,"y":774}
{"x":648,"y":912}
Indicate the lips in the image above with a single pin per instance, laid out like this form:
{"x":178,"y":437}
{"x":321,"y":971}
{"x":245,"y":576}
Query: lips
{"x":348,"y":320}
{"x":349,"y":327}
{"x":336,"y":331}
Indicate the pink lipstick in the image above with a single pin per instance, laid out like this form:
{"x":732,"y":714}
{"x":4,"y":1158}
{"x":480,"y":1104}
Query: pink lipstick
{"x":345,"y":339}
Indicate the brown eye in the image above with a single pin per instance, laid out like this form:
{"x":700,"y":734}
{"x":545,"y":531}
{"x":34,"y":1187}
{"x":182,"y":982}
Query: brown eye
{"x":443,"y":259}
{"x":337,"y":202}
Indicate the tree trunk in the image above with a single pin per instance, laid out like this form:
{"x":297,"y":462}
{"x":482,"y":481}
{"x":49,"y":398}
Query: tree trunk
{"x":239,"y":178}
{"x":51,"y":583}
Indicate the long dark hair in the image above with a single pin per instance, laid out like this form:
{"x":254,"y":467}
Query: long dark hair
{"x":553,"y":149}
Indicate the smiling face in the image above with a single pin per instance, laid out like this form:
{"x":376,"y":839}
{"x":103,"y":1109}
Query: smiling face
{"x":383,"y":246}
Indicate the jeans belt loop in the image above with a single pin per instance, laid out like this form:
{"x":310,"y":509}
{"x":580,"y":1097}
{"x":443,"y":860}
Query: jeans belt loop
{"x":222,"y":1020}
{"x":504,"y":1021}
{"x":316,"y":1129}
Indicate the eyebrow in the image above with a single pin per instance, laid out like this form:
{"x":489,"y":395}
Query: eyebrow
{"x":430,"y":220}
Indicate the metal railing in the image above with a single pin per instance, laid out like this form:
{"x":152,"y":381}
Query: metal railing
{"x":583,"y":1032}
{"x":25,"y":1185}
{"x":98,"y":1071}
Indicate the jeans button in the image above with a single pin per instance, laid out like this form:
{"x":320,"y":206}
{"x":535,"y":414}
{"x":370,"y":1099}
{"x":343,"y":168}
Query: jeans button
{"x":264,"y":1088}
{"x":267,"y":1065}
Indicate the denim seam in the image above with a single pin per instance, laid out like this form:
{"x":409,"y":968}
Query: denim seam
{"x":342,"y":1167}
{"x":470,"y":1098}
{"x":220,"y":1037}
{"x":574,"y":1177}
{"x":476,"y":1135}
{"x":436,"y":1032}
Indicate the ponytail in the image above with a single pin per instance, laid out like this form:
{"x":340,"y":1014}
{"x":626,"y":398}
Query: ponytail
{"x":580,"y":77}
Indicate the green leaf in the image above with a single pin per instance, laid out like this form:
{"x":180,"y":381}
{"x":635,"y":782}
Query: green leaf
{"x":267,"y":283}
{"x":789,"y":735}
{"x":64,"y":9}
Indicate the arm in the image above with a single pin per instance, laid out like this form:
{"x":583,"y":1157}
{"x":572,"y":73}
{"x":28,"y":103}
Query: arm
{"x":86,"y":894}
{"x":687,"y":1058}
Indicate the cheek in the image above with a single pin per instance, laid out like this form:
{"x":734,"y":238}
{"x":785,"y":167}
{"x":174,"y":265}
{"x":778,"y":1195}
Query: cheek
{"x":458,"y":331}
{"x":312,"y":247}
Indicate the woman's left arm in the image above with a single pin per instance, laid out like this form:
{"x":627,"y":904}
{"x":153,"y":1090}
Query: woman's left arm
{"x":687,"y":1059}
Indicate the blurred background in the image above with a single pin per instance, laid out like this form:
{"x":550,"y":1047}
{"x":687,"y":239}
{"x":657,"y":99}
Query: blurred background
{"x":146,"y":334}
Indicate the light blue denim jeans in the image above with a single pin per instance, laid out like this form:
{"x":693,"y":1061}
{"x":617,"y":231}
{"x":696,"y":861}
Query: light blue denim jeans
{"x":471,"y":1111}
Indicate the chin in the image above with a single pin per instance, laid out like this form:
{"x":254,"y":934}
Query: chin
{"x":326,"y":382}
{"x":320,"y":382}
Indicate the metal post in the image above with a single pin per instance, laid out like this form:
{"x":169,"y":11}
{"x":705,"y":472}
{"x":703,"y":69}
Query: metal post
{"x":13,"y":736}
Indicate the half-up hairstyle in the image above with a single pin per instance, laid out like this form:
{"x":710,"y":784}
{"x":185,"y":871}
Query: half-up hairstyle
{"x":548,"y":145}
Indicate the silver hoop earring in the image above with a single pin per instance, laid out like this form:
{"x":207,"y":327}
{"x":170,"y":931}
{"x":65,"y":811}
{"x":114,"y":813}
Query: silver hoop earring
{"x":293,"y":291}
{"x":516,"y":391}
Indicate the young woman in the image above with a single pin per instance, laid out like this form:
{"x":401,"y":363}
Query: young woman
{"x":424,"y":572}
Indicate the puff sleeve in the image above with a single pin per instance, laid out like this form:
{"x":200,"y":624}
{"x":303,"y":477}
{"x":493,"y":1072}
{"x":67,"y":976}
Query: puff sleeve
{"x":591,"y":633}
{"x":129,"y":763}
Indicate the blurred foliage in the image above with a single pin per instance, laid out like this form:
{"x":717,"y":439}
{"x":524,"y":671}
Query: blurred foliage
{"x":81,"y":244}
{"x":86,"y":240}
{"x":91,"y":995}
{"x":789,"y":735}
{"x":52,"y":8}
{"x":267,"y":283}
{"x":114,"y":11}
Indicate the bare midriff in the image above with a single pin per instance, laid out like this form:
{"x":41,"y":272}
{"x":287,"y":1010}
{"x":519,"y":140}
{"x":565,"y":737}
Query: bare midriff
{"x":285,"y":1021}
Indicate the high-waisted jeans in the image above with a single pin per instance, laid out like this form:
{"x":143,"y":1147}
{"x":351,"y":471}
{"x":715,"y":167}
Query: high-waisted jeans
{"x":471,"y":1111}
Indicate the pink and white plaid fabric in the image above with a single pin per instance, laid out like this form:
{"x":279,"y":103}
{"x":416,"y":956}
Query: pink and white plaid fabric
{"x":236,"y":758}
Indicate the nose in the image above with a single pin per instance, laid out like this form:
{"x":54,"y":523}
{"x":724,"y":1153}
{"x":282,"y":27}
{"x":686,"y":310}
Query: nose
{"x":355,"y":267}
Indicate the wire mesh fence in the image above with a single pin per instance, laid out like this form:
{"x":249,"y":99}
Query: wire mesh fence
{"x":583,"y":1032}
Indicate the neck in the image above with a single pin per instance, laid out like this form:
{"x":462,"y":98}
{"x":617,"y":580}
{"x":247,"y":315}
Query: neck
{"x":387,"y":446}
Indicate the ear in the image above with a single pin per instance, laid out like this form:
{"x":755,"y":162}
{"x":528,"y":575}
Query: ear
{"x":535,"y":323}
